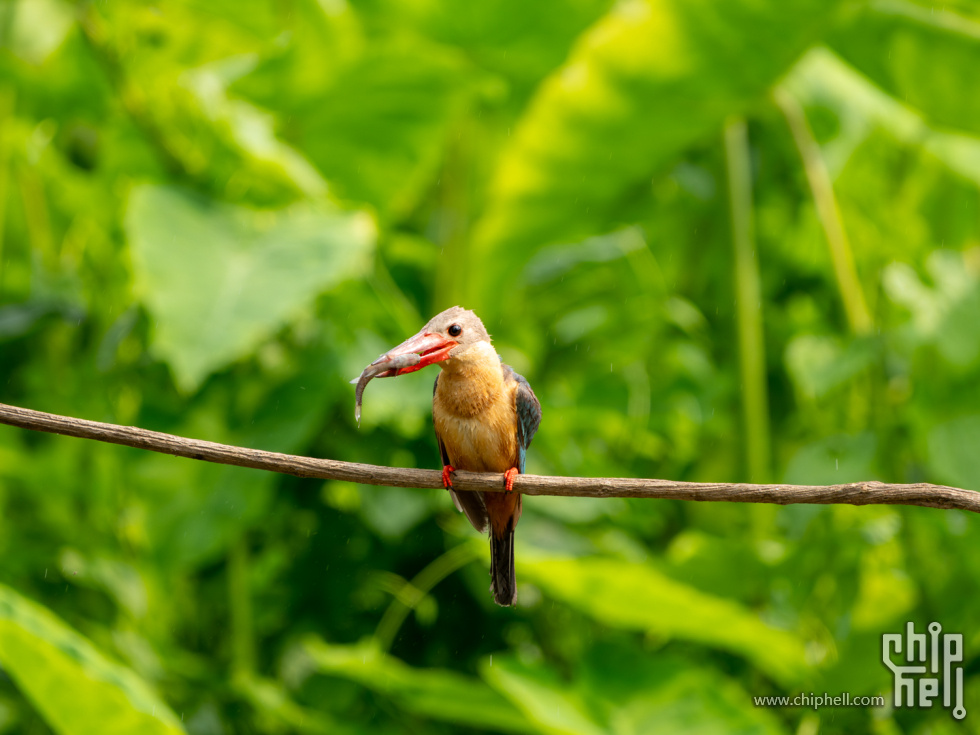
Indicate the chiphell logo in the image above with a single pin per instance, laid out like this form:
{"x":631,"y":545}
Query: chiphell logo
{"x":928,"y":663}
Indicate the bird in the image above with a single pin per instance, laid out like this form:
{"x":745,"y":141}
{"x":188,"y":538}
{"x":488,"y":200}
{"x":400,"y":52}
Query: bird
{"x":485,"y":416}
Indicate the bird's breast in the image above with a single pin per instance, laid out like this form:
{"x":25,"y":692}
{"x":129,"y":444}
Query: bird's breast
{"x":480,"y":434}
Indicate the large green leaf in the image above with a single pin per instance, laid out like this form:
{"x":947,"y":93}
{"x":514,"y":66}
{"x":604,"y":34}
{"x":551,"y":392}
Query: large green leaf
{"x":73,"y":686}
{"x":923,"y":55}
{"x":438,"y":694}
{"x":822,"y":80}
{"x":378,"y":132}
{"x":219,"y":279}
{"x":627,"y":692}
{"x":648,"y":80}
{"x":636,"y":596}
{"x":520,"y":40}
{"x":372,"y":116}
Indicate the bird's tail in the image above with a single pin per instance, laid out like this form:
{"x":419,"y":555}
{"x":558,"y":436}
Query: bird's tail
{"x":503,"y":580}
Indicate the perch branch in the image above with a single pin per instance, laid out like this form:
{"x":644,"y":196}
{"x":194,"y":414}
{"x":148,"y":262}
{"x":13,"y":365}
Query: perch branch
{"x":854,"y":493}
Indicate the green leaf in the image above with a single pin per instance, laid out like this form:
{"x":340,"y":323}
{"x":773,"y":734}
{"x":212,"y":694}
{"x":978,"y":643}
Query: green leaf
{"x":542,"y":696}
{"x":373,"y":117}
{"x":378,"y":131}
{"x":726,"y":565}
{"x":822,"y":80}
{"x":519,"y":40}
{"x":923,"y":55}
{"x":219,"y":280}
{"x":944,"y":314}
{"x":36,"y":27}
{"x":819,"y":363}
{"x":269,"y":697}
{"x":635,"y":596}
{"x":644,"y":83}
{"x":439,"y":694}
{"x":953,"y":451}
{"x":628,"y":691}
{"x":833,"y":460}
{"x":73,"y":686}
{"x":391,"y":512}
{"x":248,"y":130}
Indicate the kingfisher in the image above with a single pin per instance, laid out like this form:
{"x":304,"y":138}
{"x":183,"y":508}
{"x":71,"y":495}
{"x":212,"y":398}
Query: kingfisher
{"x":485,"y":416}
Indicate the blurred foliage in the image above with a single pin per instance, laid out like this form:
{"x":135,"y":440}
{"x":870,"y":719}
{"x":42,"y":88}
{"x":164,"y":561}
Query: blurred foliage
{"x":214,"y":213}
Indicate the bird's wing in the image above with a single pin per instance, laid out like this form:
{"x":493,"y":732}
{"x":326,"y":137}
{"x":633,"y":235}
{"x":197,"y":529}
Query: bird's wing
{"x":466,"y":502}
{"x":528,"y":414}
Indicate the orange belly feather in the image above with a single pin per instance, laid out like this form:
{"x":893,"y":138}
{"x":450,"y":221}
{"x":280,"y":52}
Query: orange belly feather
{"x":479,"y":441}
{"x":475,"y":417}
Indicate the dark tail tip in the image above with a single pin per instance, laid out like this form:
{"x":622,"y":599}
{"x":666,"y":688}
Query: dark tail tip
{"x":503,"y":580}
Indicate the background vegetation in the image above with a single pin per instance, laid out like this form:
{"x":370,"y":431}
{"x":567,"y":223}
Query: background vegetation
{"x":724,"y":240}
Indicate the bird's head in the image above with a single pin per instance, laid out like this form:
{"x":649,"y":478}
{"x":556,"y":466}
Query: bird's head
{"x":454,"y":333}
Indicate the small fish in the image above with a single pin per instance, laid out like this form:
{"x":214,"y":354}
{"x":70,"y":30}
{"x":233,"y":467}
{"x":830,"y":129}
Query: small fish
{"x":385,"y":366}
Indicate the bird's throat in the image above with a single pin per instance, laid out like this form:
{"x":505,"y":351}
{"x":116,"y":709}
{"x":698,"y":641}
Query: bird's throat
{"x":469,"y":385}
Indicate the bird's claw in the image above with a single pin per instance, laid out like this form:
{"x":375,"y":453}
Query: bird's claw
{"x":447,"y":480}
{"x":509,"y":476}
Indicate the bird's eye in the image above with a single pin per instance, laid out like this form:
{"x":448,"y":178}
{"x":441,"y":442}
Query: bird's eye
{"x":455,"y":330}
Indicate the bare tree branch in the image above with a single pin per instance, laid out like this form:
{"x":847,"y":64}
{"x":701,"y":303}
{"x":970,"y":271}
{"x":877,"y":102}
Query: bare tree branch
{"x":854,"y":493}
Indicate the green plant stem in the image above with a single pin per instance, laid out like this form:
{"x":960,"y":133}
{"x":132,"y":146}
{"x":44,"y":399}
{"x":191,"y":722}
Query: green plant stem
{"x":822,"y":189}
{"x":416,"y":590}
{"x":240,"y":605}
{"x":36,"y":216}
{"x":7,"y":100}
{"x":748,"y":303}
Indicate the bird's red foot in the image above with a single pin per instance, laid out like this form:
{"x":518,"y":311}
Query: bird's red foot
{"x":447,"y":480}
{"x":509,"y":476}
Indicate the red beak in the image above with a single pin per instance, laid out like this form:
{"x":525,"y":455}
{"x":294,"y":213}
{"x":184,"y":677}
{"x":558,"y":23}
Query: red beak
{"x":432,"y":348}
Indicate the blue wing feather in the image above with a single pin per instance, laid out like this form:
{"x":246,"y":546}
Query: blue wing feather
{"x":528,"y":414}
